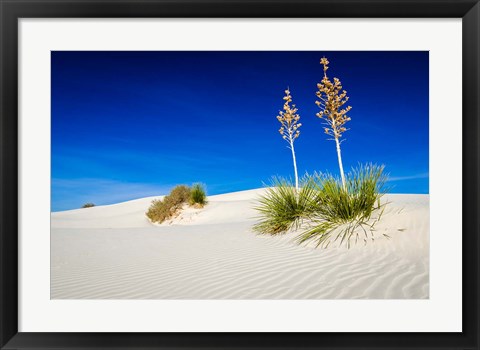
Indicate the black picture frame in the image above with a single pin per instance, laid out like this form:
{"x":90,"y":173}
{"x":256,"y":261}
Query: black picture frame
{"x":12,"y":10}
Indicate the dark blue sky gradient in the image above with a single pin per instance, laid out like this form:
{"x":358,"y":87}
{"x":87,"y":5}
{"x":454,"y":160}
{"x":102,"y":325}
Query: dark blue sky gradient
{"x":133,"y":124}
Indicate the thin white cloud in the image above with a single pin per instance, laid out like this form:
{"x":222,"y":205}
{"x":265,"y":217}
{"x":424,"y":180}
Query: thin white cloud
{"x":409,"y":177}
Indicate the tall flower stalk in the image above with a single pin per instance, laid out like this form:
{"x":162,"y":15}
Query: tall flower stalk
{"x":289,"y":129}
{"x":331,"y":101}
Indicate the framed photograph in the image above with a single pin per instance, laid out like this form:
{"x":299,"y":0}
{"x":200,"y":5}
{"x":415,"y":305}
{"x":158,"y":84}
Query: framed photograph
{"x":214,"y":174}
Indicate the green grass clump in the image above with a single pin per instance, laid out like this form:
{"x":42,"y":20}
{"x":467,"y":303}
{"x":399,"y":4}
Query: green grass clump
{"x":345,"y":215}
{"x":282,"y":208}
{"x":161,"y":210}
{"x":198,"y":195}
{"x":88,"y":205}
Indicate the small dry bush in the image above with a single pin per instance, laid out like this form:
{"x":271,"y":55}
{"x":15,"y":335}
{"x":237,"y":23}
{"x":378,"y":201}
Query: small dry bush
{"x":88,"y":205}
{"x":161,"y":210}
{"x":179,"y":195}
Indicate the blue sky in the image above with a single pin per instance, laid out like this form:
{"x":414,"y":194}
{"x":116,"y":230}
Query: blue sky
{"x":131,"y":124}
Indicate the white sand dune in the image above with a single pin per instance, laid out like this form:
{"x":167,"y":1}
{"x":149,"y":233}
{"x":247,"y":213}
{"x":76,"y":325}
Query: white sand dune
{"x":114,"y":252}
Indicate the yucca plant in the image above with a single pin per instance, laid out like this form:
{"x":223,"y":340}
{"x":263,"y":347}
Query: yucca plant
{"x":331,"y":101}
{"x":289,"y":118}
{"x":345,"y":214}
{"x":283,"y":207}
{"x":325,"y":208}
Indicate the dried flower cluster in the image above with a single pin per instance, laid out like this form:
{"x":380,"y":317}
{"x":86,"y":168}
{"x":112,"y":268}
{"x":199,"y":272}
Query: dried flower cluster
{"x":331,"y":100}
{"x":289,"y":119}
{"x":331,"y":103}
{"x":289,"y":130}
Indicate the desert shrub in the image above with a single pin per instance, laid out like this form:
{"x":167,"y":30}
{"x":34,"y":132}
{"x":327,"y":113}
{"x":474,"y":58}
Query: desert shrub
{"x":160,"y":210}
{"x":283,"y":208}
{"x":346,"y":214}
{"x":179,"y":195}
{"x":198,"y":195}
{"x":88,"y":205}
